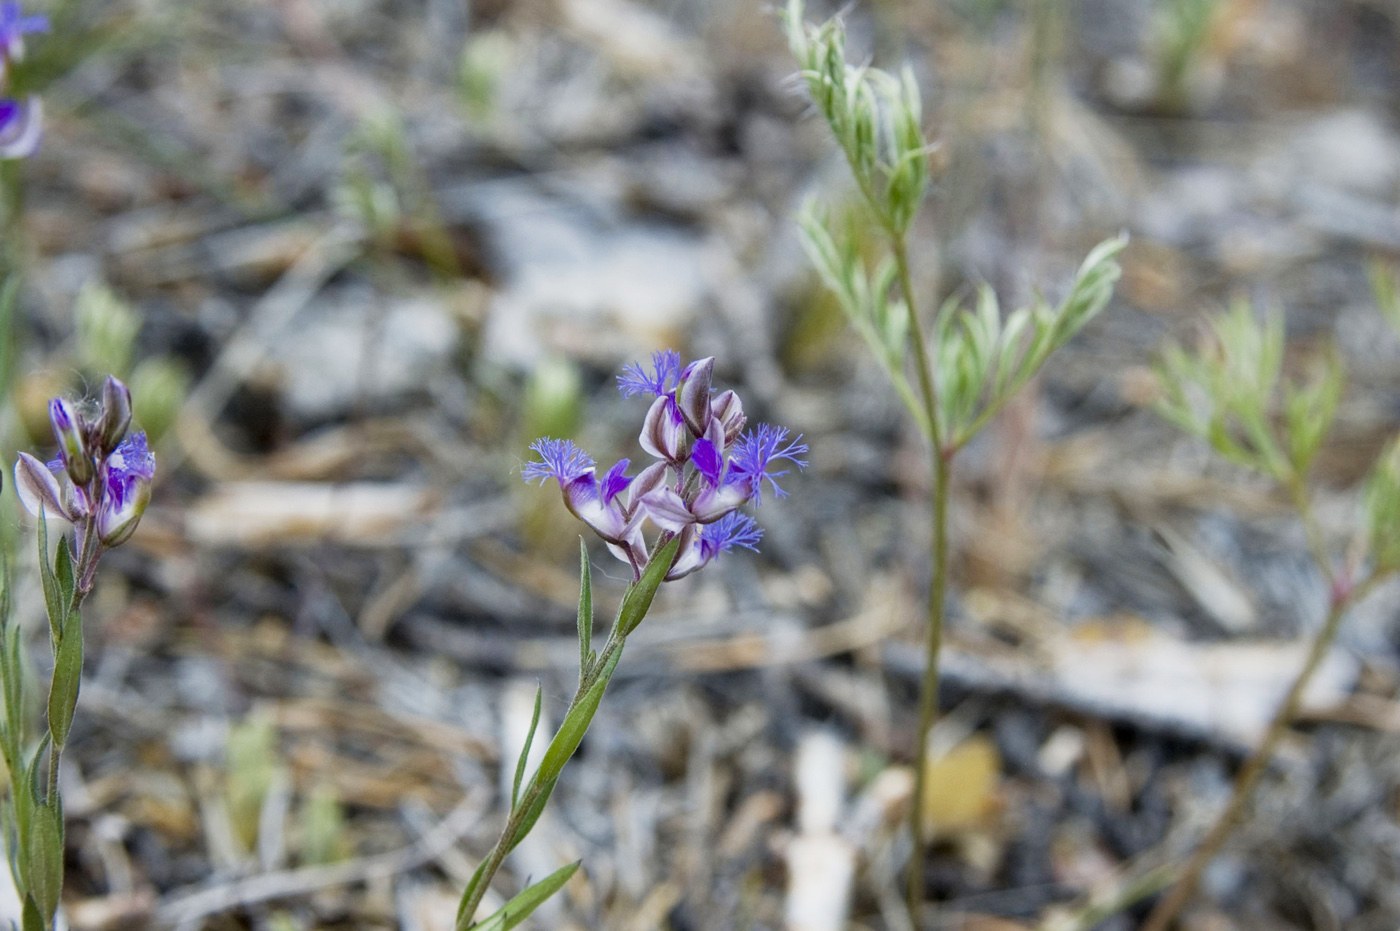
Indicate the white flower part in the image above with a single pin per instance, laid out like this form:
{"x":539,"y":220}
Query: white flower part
{"x":19,"y":138}
{"x":38,"y":490}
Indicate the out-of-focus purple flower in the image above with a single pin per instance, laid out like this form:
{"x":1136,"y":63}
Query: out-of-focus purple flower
{"x":21,"y":127}
{"x":116,"y":415}
{"x":126,"y":489}
{"x":109,"y":486}
{"x":706,"y":469}
{"x":659,"y":381}
{"x":38,"y":489}
{"x":14,"y":26}
{"x":756,"y":451}
{"x":70,"y":433}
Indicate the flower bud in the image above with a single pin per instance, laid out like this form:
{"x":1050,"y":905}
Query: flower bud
{"x":71,"y":437}
{"x":693,"y":394}
{"x":664,"y":432}
{"x":729,"y":411}
{"x":116,"y":415}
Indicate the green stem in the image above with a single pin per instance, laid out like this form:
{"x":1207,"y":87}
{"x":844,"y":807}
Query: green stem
{"x":928,"y":690}
{"x":507,"y":840}
{"x":940,"y":461}
{"x":1253,"y":768}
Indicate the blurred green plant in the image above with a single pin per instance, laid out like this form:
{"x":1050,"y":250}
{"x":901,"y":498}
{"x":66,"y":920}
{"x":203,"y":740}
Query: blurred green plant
{"x":485,"y":57}
{"x":324,"y":838}
{"x":385,"y":191}
{"x":159,"y":386}
{"x":974,"y":362}
{"x":251,"y":767}
{"x":1231,"y":392}
{"x":1182,"y":30}
{"x":105,"y":327}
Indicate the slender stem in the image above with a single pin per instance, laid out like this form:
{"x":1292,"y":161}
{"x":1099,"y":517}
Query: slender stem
{"x":532,"y":792}
{"x":928,"y":690}
{"x":940,"y":462}
{"x":1253,"y":768}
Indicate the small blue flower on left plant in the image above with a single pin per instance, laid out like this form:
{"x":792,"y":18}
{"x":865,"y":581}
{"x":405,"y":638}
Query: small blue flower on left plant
{"x":21,"y":120}
{"x":100,"y":482}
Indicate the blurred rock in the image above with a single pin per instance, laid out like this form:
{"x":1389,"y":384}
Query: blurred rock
{"x":347,"y":349}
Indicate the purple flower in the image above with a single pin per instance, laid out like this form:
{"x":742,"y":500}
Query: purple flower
{"x":563,"y":461}
{"x":21,"y":127}
{"x":594,"y":503}
{"x":755,"y":452}
{"x":126,"y":489}
{"x":693,"y":394}
{"x":706,"y":468}
{"x":659,"y":381}
{"x":706,"y":543}
{"x":664,"y":432}
{"x":70,"y":433}
{"x":13,"y":27}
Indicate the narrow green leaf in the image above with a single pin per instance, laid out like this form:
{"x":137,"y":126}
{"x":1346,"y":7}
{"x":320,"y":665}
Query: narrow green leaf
{"x":519,"y":908}
{"x":32,"y":920}
{"x":585,"y":618}
{"x":5,"y":603}
{"x":63,"y":578}
{"x":637,"y":600}
{"x":525,"y":750}
{"x":46,"y":858}
{"x":8,"y":294}
{"x":67,"y":675}
{"x":32,"y":775}
{"x":52,"y":604}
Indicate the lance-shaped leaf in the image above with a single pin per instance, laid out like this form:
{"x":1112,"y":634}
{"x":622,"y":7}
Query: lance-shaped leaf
{"x":1309,"y":408}
{"x":53,"y":599}
{"x":637,"y":600}
{"x":1382,"y":506}
{"x":67,"y":675}
{"x":585,"y":614}
{"x":519,"y":908}
{"x":46,"y":857}
{"x":525,"y":750}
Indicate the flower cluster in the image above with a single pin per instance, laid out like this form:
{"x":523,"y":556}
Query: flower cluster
{"x":106,"y":471}
{"x":705,"y":468}
{"x":21,"y":120}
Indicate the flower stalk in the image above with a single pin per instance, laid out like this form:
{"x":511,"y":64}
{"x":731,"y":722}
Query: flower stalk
{"x":706,"y":467}
{"x":100,"y":484}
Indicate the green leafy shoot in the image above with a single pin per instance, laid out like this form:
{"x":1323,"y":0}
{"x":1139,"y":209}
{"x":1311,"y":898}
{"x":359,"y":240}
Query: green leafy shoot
{"x":1229,"y":393}
{"x":1385,"y":288}
{"x":983,"y":361}
{"x":875,"y":117}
